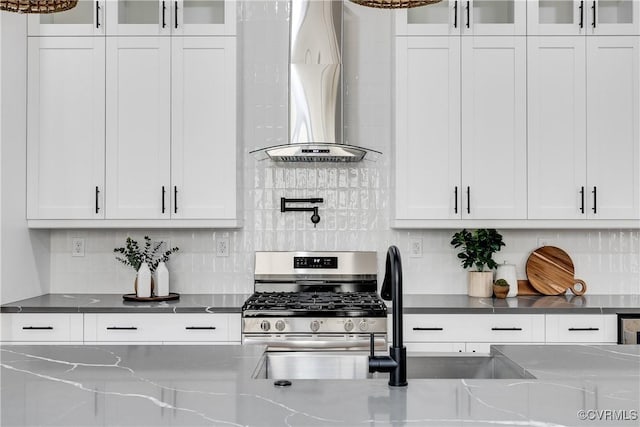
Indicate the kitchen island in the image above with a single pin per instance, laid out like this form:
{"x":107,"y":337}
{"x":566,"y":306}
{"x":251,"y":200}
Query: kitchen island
{"x":214,"y":385}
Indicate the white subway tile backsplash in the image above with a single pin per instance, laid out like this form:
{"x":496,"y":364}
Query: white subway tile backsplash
{"x":356,"y":212}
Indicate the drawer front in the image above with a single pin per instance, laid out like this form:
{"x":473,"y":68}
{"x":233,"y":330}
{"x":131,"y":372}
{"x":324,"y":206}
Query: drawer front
{"x":495,"y":328}
{"x":41,"y":327}
{"x":585,"y":328}
{"x":158,"y":327}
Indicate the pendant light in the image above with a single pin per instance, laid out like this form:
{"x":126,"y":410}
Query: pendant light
{"x":37,"y":6}
{"x":395,"y":4}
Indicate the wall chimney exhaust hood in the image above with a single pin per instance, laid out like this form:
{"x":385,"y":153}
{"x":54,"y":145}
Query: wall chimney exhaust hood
{"x":315,"y":88}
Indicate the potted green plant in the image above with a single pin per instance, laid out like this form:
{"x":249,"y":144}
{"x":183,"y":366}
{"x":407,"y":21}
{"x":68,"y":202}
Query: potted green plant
{"x":477,"y":249}
{"x":500,"y":288}
{"x":133,"y":255}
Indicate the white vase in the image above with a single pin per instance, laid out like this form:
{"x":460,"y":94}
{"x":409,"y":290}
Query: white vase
{"x":143,"y":287}
{"x":480,"y":284}
{"x":162,"y":280}
{"x":508,"y":272}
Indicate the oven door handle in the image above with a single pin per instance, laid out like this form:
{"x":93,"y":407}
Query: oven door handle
{"x":299,"y":343}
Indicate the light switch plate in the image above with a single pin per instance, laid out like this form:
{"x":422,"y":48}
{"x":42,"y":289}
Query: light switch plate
{"x":415,"y":247}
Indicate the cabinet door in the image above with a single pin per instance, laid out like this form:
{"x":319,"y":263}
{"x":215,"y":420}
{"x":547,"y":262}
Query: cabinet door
{"x":203,"y":17}
{"x":613,"y":136}
{"x":85,"y":19}
{"x":444,"y":18}
{"x":203,"y":147}
{"x":557,"y":127}
{"x":494,"y":17}
{"x":494,"y":136}
{"x":138,"y":127}
{"x":65,"y":134}
{"x":613,"y":17}
{"x":139,"y":18}
{"x":556,"y":17}
{"x":427,"y":127}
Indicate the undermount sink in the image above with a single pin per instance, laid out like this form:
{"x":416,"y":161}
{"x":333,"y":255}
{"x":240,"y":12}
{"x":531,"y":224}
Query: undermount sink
{"x":346,"y":365}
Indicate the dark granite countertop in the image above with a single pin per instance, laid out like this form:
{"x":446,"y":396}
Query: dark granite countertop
{"x":213,"y":385}
{"x":113,"y":303}
{"x":413,"y":304}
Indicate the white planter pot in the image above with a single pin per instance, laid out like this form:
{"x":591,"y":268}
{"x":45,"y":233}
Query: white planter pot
{"x":480,"y":284}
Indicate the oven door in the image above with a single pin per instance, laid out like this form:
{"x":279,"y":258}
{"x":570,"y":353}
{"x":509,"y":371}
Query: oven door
{"x":316,"y":342}
{"x":629,"y":328}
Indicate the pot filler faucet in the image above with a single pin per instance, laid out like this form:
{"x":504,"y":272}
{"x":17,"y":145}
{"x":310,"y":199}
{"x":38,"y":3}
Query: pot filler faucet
{"x":396,"y":362}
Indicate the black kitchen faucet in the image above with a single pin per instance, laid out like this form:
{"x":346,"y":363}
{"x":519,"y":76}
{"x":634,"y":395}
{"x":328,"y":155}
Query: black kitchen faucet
{"x":396,"y":362}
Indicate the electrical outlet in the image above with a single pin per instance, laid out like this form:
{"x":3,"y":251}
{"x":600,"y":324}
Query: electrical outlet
{"x":77,"y":247}
{"x":222,"y":246}
{"x":415,"y":247}
{"x":165,"y":244}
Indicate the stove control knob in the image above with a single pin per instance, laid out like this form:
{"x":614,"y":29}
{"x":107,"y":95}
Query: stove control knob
{"x":363,"y":325}
{"x":280,"y":325}
{"x":265,"y":325}
{"x":348,"y":325}
{"x":315,"y":326}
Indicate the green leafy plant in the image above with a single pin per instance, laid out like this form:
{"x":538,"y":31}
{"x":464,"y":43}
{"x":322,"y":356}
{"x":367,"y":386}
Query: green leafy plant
{"x":478,"y":247}
{"x":133,"y":255}
{"x":501,"y":282}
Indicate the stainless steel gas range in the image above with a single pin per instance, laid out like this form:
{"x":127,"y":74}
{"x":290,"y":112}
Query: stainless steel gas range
{"x":315,"y":301}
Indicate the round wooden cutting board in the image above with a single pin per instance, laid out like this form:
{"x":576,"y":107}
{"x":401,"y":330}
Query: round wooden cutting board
{"x":550,"y":271}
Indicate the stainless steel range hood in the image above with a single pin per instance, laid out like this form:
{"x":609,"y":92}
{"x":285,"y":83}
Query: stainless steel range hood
{"x":315,"y":88}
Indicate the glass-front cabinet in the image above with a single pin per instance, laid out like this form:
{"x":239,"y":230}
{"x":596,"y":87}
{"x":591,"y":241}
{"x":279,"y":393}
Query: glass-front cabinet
{"x":139,"y":18}
{"x":473,"y":17}
{"x":578,"y":17}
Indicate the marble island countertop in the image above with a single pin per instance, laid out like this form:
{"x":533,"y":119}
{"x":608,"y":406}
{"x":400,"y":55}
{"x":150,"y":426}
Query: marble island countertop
{"x":213,"y":385}
{"x":413,"y":304}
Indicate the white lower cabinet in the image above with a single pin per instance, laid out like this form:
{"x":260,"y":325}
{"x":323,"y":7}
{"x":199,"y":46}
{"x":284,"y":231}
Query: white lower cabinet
{"x":119,"y":328}
{"x":472,"y":333}
{"x":581,"y":328}
{"x":41,"y":328}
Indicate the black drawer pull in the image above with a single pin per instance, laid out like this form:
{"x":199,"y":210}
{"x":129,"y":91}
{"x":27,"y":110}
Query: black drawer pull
{"x":428,"y":329}
{"x":584,"y":329}
{"x":37,"y":328}
{"x":506,"y":329}
{"x":121,"y":328}
{"x":198,"y":328}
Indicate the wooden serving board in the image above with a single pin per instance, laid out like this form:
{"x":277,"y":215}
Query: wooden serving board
{"x":550,"y":271}
{"x":525,"y":288}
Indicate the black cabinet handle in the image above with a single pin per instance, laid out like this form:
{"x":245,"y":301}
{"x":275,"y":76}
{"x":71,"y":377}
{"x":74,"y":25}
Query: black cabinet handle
{"x":121,"y":328}
{"x":506,"y":329}
{"x":582,"y":199}
{"x":97,"y":14}
{"x":455,"y":14}
{"x":584,"y":329}
{"x":455,"y":197}
{"x":581,"y":7}
{"x":428,"y":329}
{"x":175,"y":199}
{"x":164,"y":8}
{"x":37,"y":328}
{"x":468,"y":200}
{"x":595,"y":200}
{"x":97,"y":197}
{"x":175,"y":14}
{"x":468,"y":23}
{"x":163,"y":193}
{"x":593,"y":7}
{"x":199,"y":328}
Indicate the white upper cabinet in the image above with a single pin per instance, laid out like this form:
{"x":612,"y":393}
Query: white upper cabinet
{"x":427,"y":166}
{"x":65,"y":128}
{"x":138,"y":129}
{"x":139,"y":18}
{"x":613,"y":135}
{"x":473,"y":17}
{"x":203,"y":143}
{"x":204,"y":17}
{"x":86,"y":19}
{"x":557,"y":127}
{"x":494,"y":138}
{"x":583,"y":17}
